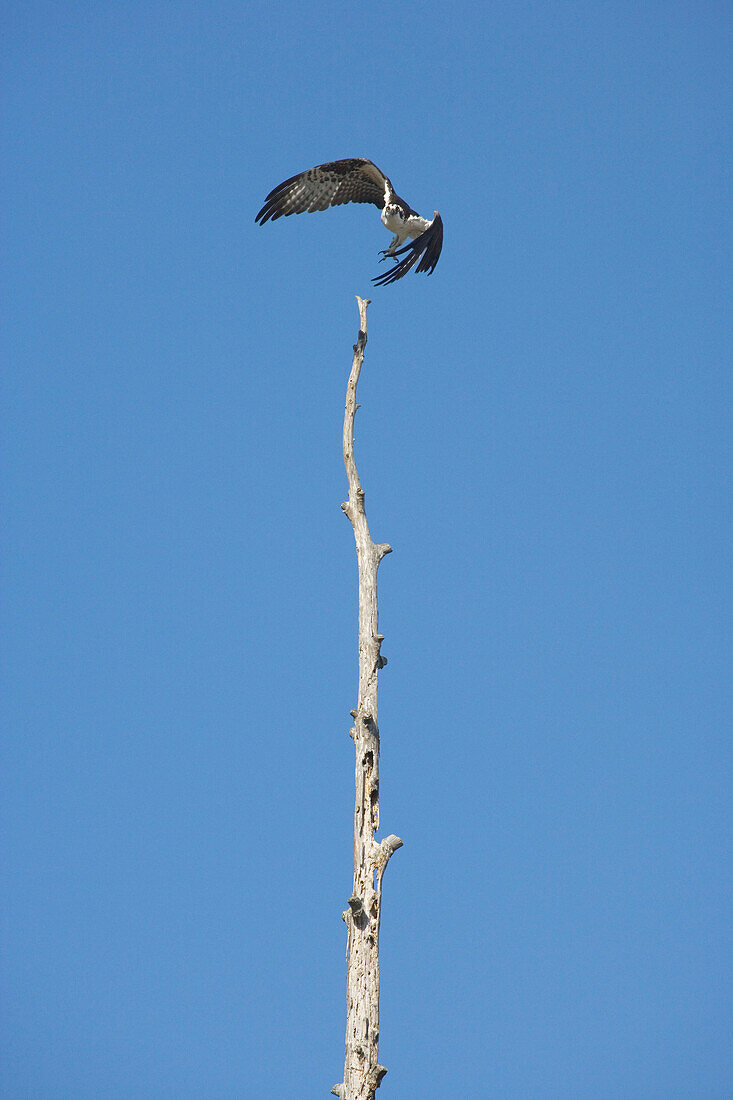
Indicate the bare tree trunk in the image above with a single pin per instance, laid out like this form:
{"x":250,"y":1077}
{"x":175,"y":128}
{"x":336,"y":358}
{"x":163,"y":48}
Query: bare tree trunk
{"x":362,"y":1071}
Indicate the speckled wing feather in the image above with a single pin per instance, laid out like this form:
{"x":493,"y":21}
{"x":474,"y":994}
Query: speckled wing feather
{"x":426,"y":248}
{"x":340,"y":181}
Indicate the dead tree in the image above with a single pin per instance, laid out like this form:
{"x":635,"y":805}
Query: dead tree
{"x":362,"y":1071}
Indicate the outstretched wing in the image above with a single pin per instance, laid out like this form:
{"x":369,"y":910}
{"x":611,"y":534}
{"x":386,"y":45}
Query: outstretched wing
{"x":426,"y":248}
{"x":355,"y":180}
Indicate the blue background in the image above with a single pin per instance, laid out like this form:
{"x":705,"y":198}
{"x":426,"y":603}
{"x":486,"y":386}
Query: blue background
{"x":543,"y":440}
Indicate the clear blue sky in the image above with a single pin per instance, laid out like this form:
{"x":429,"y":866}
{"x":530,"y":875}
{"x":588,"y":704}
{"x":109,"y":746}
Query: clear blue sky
{"x":544,"y":442}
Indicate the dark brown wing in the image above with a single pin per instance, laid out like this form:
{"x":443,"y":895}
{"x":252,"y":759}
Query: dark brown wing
{"x":426,"y":248}
{"x":355,"y":180}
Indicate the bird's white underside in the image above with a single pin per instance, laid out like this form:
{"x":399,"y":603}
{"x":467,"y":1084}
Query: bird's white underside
{"x":402,"y":225}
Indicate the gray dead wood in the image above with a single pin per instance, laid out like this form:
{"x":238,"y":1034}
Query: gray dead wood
{"x":362,"y":1071}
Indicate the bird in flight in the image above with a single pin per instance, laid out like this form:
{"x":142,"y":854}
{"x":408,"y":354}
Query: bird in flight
{"x":358,"y":180}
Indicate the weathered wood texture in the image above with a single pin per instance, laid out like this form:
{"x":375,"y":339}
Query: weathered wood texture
{"x":362,"y":1071}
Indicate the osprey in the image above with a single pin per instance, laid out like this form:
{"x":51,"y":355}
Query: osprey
{"x":358,"y":180}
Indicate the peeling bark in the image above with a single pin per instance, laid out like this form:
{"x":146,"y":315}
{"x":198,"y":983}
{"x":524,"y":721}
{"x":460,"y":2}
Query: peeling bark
{"x":362,"y":1071}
